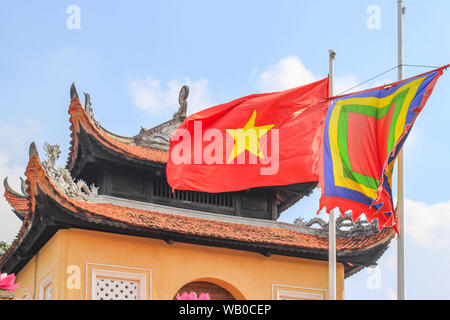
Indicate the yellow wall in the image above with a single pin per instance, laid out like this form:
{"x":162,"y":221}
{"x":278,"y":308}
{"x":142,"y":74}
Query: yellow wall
{"x":43,"y":266}
{"x":167,"y":268}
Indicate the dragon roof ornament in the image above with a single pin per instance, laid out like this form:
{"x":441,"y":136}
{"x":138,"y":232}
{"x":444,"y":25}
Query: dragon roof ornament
{"x":62,"y":179}
{"x":345,"y":228}
{"x":159,"y":136}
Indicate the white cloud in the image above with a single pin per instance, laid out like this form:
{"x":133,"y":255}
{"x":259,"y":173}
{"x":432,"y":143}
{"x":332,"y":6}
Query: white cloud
{"x":290,"y":72}
{"x":343,"y":83}
{"x":149,"y":95}
{"x":428,"y":225}
{"x":157,"y":98}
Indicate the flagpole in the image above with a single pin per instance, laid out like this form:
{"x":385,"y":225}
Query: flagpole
{"x":331,"y":221}
{"x":400,"y":195}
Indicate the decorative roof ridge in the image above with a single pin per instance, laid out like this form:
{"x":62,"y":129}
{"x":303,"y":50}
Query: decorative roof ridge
{"x":62,"y":179}
{"x":83,"y":117}
{"x":159,"y":136}
{"x":19,"y":203}
{"x":10,"y":190}
{"x":38,"y":175}
{"x":90,"y":114}
{"x":345,"y":227}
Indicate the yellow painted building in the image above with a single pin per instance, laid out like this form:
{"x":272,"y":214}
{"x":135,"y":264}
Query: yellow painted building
{"x":128,"y":237}
{"x":73,"y":260}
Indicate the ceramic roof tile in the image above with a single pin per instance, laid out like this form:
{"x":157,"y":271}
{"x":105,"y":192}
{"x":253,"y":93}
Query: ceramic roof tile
{"x":79,"y":117}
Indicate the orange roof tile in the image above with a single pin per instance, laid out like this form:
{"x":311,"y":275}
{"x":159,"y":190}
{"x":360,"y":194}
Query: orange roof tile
{"x":79,"y":117}
{"x":19,"y":204}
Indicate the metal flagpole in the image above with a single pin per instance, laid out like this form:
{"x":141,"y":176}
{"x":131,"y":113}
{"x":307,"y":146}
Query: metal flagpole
{"x":400,"y":195}
{"x":331,"y":222}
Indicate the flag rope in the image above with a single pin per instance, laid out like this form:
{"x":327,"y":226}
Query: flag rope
{"x":382,"y":73}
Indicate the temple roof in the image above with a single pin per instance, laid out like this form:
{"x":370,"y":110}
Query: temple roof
{"x":50,"y":207}
{"x":124,"y":146}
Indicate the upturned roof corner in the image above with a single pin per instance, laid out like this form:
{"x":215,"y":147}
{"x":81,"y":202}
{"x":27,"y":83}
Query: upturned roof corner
{"x":73,"y":91}
{"x":33,"y":150}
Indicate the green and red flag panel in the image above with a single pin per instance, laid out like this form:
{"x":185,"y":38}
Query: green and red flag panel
{"x":363,"y":135}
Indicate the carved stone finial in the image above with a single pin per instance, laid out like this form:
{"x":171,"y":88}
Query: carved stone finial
{"x":33,"y":150}
{"x":73,"y":91}
{"x":182,"y":100}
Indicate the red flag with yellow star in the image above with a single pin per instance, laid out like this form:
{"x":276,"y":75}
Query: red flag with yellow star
{"x":268,"y":139}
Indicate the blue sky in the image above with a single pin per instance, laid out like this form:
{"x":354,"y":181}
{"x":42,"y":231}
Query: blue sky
{"x":132,"y":57}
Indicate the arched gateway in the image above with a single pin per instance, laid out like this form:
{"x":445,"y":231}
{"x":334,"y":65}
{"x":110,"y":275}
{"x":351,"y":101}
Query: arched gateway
{"x":215,"y":291}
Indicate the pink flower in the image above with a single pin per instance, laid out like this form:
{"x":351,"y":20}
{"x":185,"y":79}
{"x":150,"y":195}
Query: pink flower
{"x":204,"y":296}
{"x":7,"y":282}
{"x":193,"y":296}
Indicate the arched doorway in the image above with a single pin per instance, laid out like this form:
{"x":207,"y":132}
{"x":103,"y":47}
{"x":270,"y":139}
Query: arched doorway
{"x":215,"y":292}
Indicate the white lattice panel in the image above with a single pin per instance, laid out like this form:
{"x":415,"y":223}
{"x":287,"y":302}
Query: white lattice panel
{"x":116,"y":289}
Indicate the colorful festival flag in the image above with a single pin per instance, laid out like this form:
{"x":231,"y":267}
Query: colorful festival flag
{"x":267,"y":139}
{"x":363,"y":135}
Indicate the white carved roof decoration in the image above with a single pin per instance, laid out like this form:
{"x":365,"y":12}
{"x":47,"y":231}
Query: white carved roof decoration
{"x":62,"y":179}
{"x":157,"y":137}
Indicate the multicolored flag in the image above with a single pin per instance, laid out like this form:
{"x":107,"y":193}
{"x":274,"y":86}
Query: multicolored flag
{"x":267,"y":139}
{"x":363,"y":135}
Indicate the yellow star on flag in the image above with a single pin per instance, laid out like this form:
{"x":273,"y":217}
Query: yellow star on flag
{"x":247,"y":138}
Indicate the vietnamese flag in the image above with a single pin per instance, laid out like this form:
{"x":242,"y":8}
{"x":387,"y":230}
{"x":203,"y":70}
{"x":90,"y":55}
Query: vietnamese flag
{"x":267,"y":139}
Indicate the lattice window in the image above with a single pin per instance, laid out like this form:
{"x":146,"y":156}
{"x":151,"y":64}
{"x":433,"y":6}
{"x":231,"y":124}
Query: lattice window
{"x":116,"y":289}
{"x":119,"y":283}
